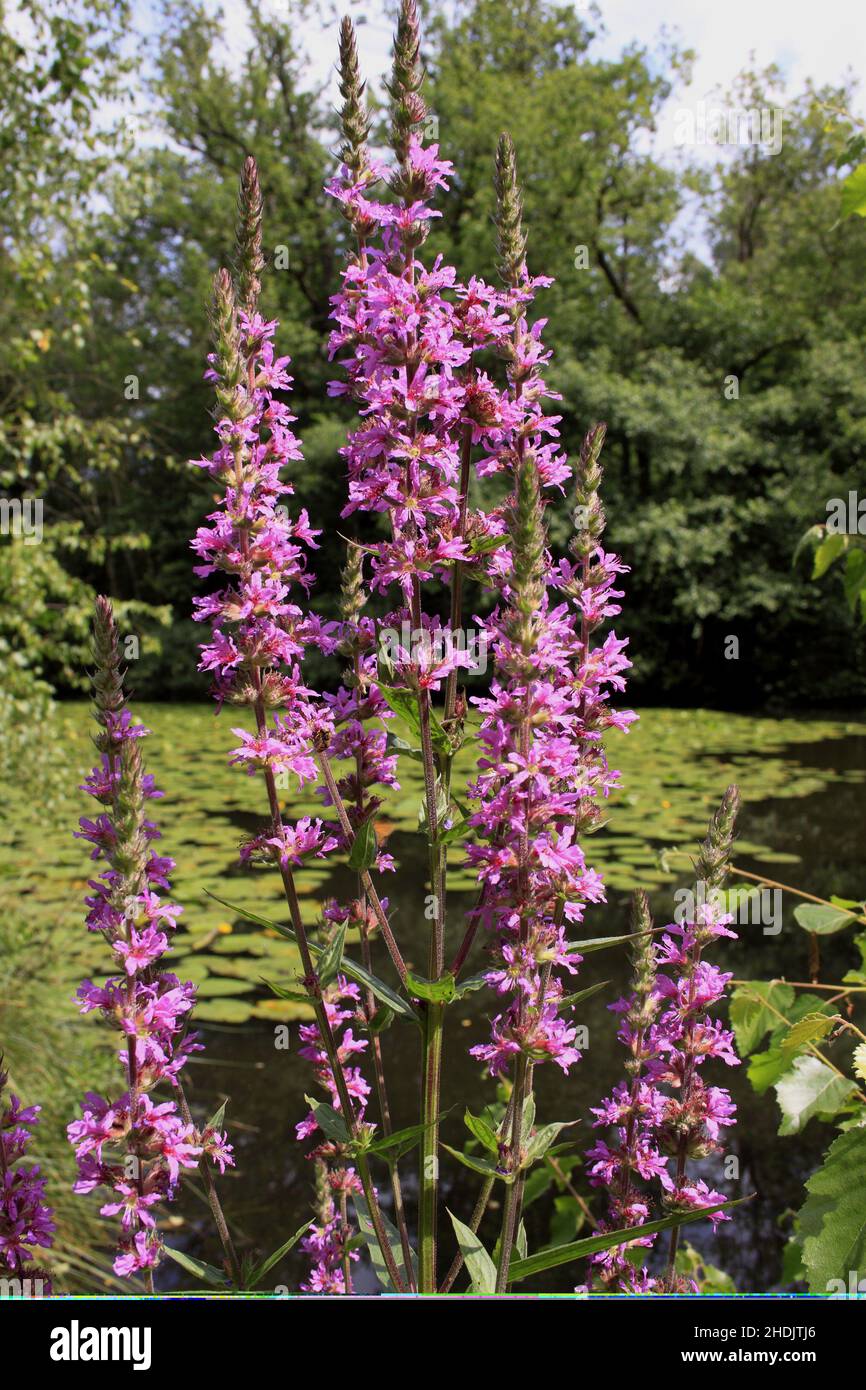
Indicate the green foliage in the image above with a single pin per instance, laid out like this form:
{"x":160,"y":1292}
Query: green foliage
{"x":832,"y":1221}
{"x":482,"y":1270}
{"x":810,"y":1088}
{"x":644,"y":337}
{"x":708,"y":1278}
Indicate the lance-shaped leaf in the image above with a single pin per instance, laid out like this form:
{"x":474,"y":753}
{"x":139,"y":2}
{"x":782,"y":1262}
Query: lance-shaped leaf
{"x":331,"y":958}
{"x":392,"y":1235}
{"x":297,"y":996}
{"x":209,"y":1274}
{"x":392,"y":1147}
{"x":458,"y":831}
{"x":329,"y":1120}
{"x":482,"y":1131}
{"x":601,"y":943}
{"x":578,"y":1249}
{"x":216,"y":1119}
{"x":365,"y":847}
{"x":581,"y":994}
{"x":469,"y":985}
{"x":482,"y":1270}
{"x":399,"y":745}
{"x":259,"y":1271}
{"x":478,"y":1165}
{"x":404,"y":703}
{"x":357,"y":972}
{"x":382,"y":1019}
{"x":542,"y":1139}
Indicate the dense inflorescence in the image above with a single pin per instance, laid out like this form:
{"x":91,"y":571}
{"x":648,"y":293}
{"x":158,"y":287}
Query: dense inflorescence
{"x":135,"y":1145}
{"x":665,"y":1113}
{"x":25,"y":1218}
{"x":452,"y":466}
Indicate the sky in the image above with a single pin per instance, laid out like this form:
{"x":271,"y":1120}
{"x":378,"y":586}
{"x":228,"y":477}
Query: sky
{"x":824,"y":43}
{"x":821,"y":41}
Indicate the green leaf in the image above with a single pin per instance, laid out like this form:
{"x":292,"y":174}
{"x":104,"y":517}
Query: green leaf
{"x":297,"y":996}
{"x":766,"y":1068}
{"x":527,"y":1119}
{"x":365,"y":847}
{"x":440,"y":991}
{"x":329,"y":1120}
{"x":854,"y":193}
{"x":828,"y":551}
{"x":482,"y":1270}
{"x":208,"y":1273}
{"x":478,"y":1165}
{"x":482,"y":1131}
{"x":521,"y":1244}
{"x":402,"y":1139}
{"x":471,"y":983}
{"x":792,"y":1261}
{"x":404,"y":703}
{"x":823,"y":921}
{"x":382,"y":1019}
{"x":751,"y":1018}
{"x":807,"y":1030}
{"x":581,"y":994}
{"x":810,"y":1088}
{"x":832,"y":1222}
{"x":812,"y":538}
{"x":542,"y":1139}
{"x":357,"y":972}
{"x":458,"y":831}
{"x":601,"y":943}
{"x":331,"y":957}
{"x":399,"y":745}
{"x":218,"y":1116}
{"x":557,"y":1255}
{"x":260,"y":1270}
{"x":854,"y":578}
{"x":392,"y":1235}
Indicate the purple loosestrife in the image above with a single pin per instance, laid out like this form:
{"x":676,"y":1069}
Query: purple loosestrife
{"x":666,"y":1113}
{"x":327,"y":1241}
{"x":542,"y":765}
{"x":259,"y":631}
{"x":25,"y":1219}
{"x":634,"y":1110}
{"x":135,"y":1146}
{"x":408,"y":336}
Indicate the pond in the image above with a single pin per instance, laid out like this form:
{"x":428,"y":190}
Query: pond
{"x":802,"y":783}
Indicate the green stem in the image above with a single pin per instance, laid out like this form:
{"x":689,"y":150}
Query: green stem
{"x":214,"y":1203}
{"x":514,"y":1189}
{"x":429,"y":1176}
